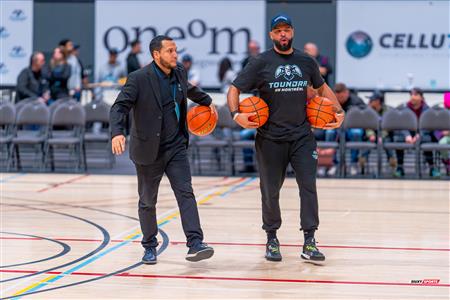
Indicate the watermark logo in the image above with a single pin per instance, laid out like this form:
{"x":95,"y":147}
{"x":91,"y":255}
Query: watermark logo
{"x":426,"y":281}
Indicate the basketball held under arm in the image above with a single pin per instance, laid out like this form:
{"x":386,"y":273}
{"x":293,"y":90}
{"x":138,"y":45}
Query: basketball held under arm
{"x":325,"y":91}
{"x":233,"y":104}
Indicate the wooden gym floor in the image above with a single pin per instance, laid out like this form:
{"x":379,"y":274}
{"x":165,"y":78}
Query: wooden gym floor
{"x":72,"y":236}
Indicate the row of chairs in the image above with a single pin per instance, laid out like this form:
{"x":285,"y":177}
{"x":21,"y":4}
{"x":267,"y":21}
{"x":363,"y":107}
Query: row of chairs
{"x":224,"y":152}
{"x":65,"y":124}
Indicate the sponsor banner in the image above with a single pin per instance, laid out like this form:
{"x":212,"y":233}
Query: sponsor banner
{"x":393,"y":44}
{"x":207,"y":30}
{"x":16,"y":38}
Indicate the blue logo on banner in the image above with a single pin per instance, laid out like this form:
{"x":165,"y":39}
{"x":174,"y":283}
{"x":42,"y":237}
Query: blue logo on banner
{"x":17,"y":15}
{"x":3,"y":32}
{"x":17,"y":51}
{"x":3,"y":68}
{"x":359,"y":44}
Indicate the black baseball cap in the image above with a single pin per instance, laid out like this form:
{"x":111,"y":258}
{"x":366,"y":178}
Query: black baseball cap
{"x":376,"y":95}
{"x":281,"y":18}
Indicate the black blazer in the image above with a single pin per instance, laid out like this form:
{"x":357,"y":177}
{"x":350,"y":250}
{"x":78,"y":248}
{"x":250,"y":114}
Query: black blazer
{"x":142,"y":93}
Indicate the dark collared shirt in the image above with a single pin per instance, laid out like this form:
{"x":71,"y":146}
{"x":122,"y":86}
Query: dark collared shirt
{"x":171,"y":135}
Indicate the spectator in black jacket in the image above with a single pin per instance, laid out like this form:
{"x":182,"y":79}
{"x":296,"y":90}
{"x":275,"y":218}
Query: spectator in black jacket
{"x":133,"y":63}
{"x":59,"y":76}
{"x":33,"y":80}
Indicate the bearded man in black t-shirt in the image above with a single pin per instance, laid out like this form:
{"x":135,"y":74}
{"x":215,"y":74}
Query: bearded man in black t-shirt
{"x":282,"y":76}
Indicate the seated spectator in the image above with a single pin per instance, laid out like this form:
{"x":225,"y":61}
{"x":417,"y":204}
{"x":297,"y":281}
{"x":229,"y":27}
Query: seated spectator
{"x":193,"y":73}
{"x":444,"y":139}
{"x":323,"y":61}
{"x":418,"y":105}
{"x":59,"y":75}
{"x":347,"y":100}
{"x":33,"y":80}
{"x":376,"y":102}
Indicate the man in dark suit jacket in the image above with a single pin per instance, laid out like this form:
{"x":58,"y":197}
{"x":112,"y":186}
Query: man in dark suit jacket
{"x":158,"y":95}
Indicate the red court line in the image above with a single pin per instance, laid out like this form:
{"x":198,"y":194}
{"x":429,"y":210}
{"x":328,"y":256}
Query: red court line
{"x":281,"y":280}
{"x":56,"y":185}
{"x":246,"y":244}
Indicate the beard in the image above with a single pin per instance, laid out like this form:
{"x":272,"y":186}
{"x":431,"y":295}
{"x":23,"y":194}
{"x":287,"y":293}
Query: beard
{"x":283,"y":47}
{"x":166,"y":64}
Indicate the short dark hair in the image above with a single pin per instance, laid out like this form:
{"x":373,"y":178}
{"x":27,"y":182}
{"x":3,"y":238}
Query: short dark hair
{"x":64,"y":42}
{"x":156,"y":43}
{"x":134,"y":43}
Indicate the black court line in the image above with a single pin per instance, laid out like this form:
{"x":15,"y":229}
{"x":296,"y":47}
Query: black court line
{"x":65,"y":249}
{"x":105,"y":242}
{"x":161,"y":249}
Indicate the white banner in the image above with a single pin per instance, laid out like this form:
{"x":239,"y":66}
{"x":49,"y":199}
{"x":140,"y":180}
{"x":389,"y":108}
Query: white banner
{"x":207,"y":30}
{"x":393,"y":44}
{"x":16,"y":38}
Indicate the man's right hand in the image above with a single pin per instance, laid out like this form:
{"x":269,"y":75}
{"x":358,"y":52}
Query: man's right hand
{"x":118,"y":144}
{"x":243,"y":120}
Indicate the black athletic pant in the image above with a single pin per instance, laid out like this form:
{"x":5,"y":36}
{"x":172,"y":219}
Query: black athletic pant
{"x":176,"y":166}
{"x":273,"y":159}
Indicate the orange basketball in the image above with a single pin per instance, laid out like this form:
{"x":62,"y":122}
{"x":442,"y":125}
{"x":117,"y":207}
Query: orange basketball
{"x":201,"y":120}
{"x":320,"y":111}
{"x":258,"y":105}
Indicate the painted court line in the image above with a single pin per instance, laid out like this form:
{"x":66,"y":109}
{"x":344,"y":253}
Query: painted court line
{"x":244,"y":279}
{"x":56,"y":185}
{"x":42,"y":283}
{"x":245,"y":244}
{"x":2,"y":180}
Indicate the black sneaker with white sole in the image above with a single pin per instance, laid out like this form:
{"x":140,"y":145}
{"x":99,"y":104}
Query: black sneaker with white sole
{"x":199,"y":252}
{"x":273,"y":250}
{"x":311,"y":252}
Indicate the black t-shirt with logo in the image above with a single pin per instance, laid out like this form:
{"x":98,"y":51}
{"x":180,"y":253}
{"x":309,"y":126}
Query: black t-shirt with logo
{"x":282,"y":82}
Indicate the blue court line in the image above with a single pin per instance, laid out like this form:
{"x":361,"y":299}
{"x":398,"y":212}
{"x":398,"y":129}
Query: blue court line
{"x":245,"y":182}
{"x":92,"y":259}
{"x":12,"y":177}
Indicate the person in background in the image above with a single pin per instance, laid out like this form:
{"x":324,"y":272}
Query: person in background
{"x":376,"y":102}
{"x":253,"y":49}
{"x":226,"y":77}
{"x":445,"y":138}
{"x":346,"y":100}
{"x":193,"y":73}
{"x":226,"y":74}
{"x":84,"y":73}
{"x":324,"y":62}
{"x":33,"y":80}
{"x":59,"y":75}
{"x":418,"y":105}
{"x":74,"y":83}
{"x":113,"y":70}
{"x":133,"y":63}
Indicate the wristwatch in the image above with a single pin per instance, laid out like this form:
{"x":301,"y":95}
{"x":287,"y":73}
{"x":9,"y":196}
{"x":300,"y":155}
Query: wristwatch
{"x":234,"y":114}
